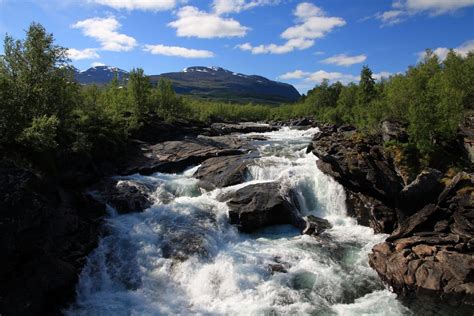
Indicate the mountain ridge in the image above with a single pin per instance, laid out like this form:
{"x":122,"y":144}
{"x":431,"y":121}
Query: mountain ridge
{"x":213,"y":83}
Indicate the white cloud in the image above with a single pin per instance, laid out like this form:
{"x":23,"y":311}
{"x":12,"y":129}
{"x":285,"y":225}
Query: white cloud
{"x":312,"y":24}
{"x":192,"y":22}
{"x":104,"y":30}
{"x":235,"y":6}
{"x":391,"y":17}
{"x":150,"y":5}
{"x":177,"y":51}
{"x":433,"y":6}
{"x":344,"y":60}
{"x":78,"y":54}
{"x":382,"y":74}
{"x":403,"y":9}
{"x":297,"y":74}
{"x":318,"y":76}
{"x":97,"y":64}
{"x":442,"y":52}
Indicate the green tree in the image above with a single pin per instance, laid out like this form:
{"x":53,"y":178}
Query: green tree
{"x":367,"y":91}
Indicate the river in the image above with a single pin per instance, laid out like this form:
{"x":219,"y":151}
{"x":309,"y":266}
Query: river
{"x":216,"y":270}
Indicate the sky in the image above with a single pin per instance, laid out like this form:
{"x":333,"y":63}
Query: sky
{"x":298,"y":42}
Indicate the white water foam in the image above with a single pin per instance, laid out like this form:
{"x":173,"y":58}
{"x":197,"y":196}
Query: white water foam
{"x":182,"y":257}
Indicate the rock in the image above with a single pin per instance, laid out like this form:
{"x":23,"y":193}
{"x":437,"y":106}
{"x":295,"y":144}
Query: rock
{"x":422,"y":191}
{"x":126,"y":195}
{"x":371,"y":212}
{"x":429,"y":254}
{"x":467,"y":136}
{"x":315,"y":225}
{"x":224,"y":171}
{"x":176,"y":156}
{"x":359,"y":165}
{"x":276,"y":267}
{"x":243,"y":128}
{"x":46,"y":232}
{"x":393,"y":131}
{"x":258,"y":205}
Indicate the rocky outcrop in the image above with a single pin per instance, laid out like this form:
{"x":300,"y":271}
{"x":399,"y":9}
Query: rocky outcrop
{"x":176,"y":156}
{"x":361,"y":166}
{"x":258,"y":205}
{"x":221,"y":172}
{"x":431,"y":219}
{"x":432,"y":251}
{"x":46,"y":232}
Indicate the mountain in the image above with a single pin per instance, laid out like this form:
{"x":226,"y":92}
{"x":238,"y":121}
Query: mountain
{"x":213,"y":83}
{"x":99,"y":75}
{"x":222,"y":84}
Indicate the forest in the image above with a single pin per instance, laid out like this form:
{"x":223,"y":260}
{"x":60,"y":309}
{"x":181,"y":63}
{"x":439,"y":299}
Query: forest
{"x":43,"y":111}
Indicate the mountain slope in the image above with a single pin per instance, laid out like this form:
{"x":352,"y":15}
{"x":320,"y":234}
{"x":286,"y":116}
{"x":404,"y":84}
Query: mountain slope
{"x":99,"y":75}
{"x":219,"y":83}
{"x":213,"y":83}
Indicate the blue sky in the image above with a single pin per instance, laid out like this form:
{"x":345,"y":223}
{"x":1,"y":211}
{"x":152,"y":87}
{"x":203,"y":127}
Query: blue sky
{"x":299,"y":42}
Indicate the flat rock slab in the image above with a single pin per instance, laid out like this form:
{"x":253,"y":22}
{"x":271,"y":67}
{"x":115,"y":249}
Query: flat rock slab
{"x":176,"y":156}
{"x":247,"y":127}
{"x":223,"y":171}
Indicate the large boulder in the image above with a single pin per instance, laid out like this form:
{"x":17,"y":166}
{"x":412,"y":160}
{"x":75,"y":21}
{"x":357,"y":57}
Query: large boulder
{"x":258,"y":205}
{"x":432,"y":251}
{"x":223,"y":171}
{"x":176,"y":156}
{"x":126,"y":195}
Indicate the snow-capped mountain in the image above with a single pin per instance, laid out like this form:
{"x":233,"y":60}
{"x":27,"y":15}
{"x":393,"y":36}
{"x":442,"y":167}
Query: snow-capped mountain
{"x":206,"y":82}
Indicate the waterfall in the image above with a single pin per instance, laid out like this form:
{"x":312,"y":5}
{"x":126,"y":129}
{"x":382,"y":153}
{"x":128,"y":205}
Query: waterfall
{"x":214,"y":270}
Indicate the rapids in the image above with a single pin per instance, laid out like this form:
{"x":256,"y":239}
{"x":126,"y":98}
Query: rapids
{"x":181,"y":256}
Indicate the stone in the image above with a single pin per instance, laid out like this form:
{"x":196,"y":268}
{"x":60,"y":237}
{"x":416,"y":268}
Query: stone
{"x":258,"y":205}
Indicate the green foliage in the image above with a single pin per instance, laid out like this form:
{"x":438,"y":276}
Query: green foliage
{"x":43,"y":110}
{"x":41,"y":135}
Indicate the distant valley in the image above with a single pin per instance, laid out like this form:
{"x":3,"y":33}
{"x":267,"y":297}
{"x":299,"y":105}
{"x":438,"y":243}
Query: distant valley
{"x":212,"y":83}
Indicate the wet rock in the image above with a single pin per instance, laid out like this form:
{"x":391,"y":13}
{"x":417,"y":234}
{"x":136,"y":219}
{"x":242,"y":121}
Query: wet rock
{"x":126,"y":195}
{"x":315,"y":225}
{"x":276,"y":267}
{"x":176,"y":156}
{"x":371,"y":212}
{"x":358,"y":164}
{"x":258,"y":205}
{"x":221,"y":172}
{"x":243,"y":128}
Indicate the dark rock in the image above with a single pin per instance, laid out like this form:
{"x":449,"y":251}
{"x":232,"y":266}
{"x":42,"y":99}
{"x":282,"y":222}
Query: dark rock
{"x":258,"y":205}
{"x":423,"y":190}
{"x":220,"y":172}
{"x":429,"y":253}
{"x":176,"y":156}
{"x":393,"y":131}
{"x":371,"y":212}
{"x":46,"y":232}
{"x":126,"y":195}
{"x":315,"y":225}
{"x":242,"y":128}
{"x":276,"y":267}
